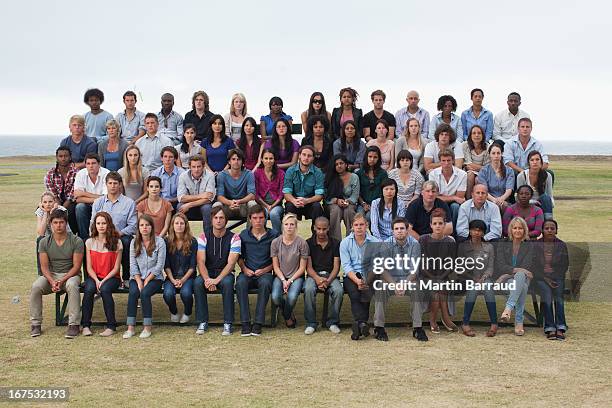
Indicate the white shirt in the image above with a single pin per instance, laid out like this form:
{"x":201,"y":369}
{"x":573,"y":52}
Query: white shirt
{"x":457,"y":181}
{"x":82,"y":182}
{"x":432,"y":149}
{"x":505,"y":124}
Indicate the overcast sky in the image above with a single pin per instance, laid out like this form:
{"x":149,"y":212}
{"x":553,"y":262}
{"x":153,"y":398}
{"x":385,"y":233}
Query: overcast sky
{"x":555,"y":54}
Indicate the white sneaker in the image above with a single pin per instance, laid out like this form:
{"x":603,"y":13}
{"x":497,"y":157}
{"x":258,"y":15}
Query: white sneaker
{"x":185,"y":318}
{"x":86,"y":331}
{"x":174,"y":318}
{"x":334,"y":329}
{"x":145,"y":334}
{"x":227,"y":329}
{"x":202,"y":328}
{"x":309,"y":330}
{"x":128,"y":334}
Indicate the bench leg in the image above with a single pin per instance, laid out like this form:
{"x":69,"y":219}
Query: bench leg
{"x":538,"y":311}
{"x":325,"y":308}
{"x":60,"y":312}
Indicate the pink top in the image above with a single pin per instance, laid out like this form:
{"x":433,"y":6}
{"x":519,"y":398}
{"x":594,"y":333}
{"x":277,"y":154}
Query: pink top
{"x":385,"y":151}
{"x":263,"y":186}
{"x":345,"y":117}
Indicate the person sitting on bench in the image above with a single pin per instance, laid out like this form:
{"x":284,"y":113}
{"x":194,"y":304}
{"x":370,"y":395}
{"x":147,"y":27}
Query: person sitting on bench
{"x":196,"y":191}
{"x":235,"y":187}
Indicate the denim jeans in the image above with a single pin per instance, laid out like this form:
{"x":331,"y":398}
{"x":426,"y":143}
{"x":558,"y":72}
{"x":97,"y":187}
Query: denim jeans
{"x":454,"y":209}
{"x":201,"y":211}
{"x":106,"y":293}
{"x":336,"y":293}
{"x":470,"y":300}
{"x":125,"y":256}
{"x":286,"y":302}
{"x":553,"y":321}
{"x":83,"y":217}
{"x":517,"y":297}
{"x":263,"y":284}
{"x":145,"y":295}
{"x":186,"y":292}
{"x":226,"y":286}
{"x":360,"y":304}
{"x":275,"y":215}
{"x":545,"y":203}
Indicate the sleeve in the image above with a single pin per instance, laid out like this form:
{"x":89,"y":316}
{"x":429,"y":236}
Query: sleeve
{"x":201,"y":242}
{"x":418,"y":182}
{"x":539,"y":221}
{"x":360,"y":153}
{"x":295,"y":146}
{"x":304,"y":250}
{"x":49,"y":185}
{"x":464,"y":124}
{"x":336,"y":250}
{"x":489,"y":270}
{"x":79,"y":183}
{"x":79,"y":247}
{"x":158,"y":269}
{"x":141,"y":122}
{"x":221,"y":184}
{"x":211,"y":186}
{"x":483,"y":176}
{"x":411,"y":214}
{"x":549,"y":187}
{"x":425,"y":130}
{"x":95,"y":208}
{"x":228,"y":125}
{"x":168,"y":256}
{"x":132,"y":220}
{"x":432,"y":128}
{"x":508,"y":215}
{"x":508,"y":153}
{"x":181,"y":189}
{"x":463,"y":183}
{"x":274,"y":248}
{"x":391,"y":119}
{"x":463,"y":220}
{"x":521,"y":179}
{"x":374,"y":218}
{"x":429,"y":150}
{"x":92,"y":147}
{"x":101,"y":150}
{"x":250,"y":183}
{"x":141,"y":208}
{"x":467,"y":154}
{"x":179,"y":127}
{"x":460,"y":130}
{"x":336,"y":146}
{"x":497,"y":127}
{"x":354,"y":197}
{"x":540,"y":149}
{"x":488,"y":126}
{"x":509,"y":178}
{"x":43,"y":245}
{"x":345,"y":257}
{"x":446,"y":208}
{"x":503,"y":265}
{"x":495,"y":226}
{"x":235,"y":245}
{"x":134,"y":268}
{"x":458,"y":150}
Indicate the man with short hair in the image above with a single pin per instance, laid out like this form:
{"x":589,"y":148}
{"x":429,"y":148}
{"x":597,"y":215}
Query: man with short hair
{"x":322,"y":274}
{"x":505,"y":123}
{"x":59,"y":180}
{"x":200,"y":115}
{"x":151,"y":143}
{"x":196,"y":191}
{"x":479,"y":208}
{"x":169,"y":174}
{"x":171,"y":123}
{"x":412,"y":111}
{"x":61,"y":258}
{"x":419,"y":211}
{"x":452,"y":182}
{"x":517,"y":149}
{"x":303,"y":187}
{"x":356,"y":258}
{"x":370,"y":118}
{"x":404,"y":246}
{"x":256,"y":266}
{"x":122,"y":210}
{"x":236,"y":186}
{"x":96,"y":118}
{"x":89,"y":184}
{"x":131,"y":119}
{"x":218,"y":252}
{"x":78,"y":142}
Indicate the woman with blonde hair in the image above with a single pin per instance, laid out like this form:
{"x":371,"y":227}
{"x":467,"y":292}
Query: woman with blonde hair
{"x":515,"y":261}
{"x":111,"y":149}
{"x":134,"y":174}
{"x":412,"y":141}
{"x":180,"y":267}
{"x":236,"y":116}
{"x":47,"y":204}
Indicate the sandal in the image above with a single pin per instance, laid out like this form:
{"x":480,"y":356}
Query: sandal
{"x":468,"y":331}
{"x":505,"y":316}
{"x":551,"y":335}
{"x":434,"y":328}
{"x":560,"y":335}
{"x":519,"y":331}
{"x":492,"y":332}
{"x":452,"y":327}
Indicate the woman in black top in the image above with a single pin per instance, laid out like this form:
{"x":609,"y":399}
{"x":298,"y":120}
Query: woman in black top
{"x":346,"y":111}
{"x":317,"y":136}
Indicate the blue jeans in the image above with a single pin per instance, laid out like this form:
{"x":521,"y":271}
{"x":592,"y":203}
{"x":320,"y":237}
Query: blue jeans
{"x":226,"y":286}
{"x":186,"y":292}
{"x":83,"y":218}
{"x":201,"y":211}
{"x":454,"y":209}
{"x":125,"y":256}
{"x":517,"y":297}
{"x":336,"y":293}
{"x":470,"y":299}
{"x":145,"y":295}
{"x":264,"y":285}
{"x":553,"y":321}
{"x":106,"y":293}
{"x":275,"y":215}
{"x":545,"y":203}
{"x":286,"y":303}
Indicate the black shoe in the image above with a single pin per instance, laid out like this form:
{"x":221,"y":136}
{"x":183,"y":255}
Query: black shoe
{"x":419,"y":334}
{"x":246,"y":329}
{"x":356,"y":334}
{"x":380,"y":334}
{"x":256,"y":331}
{"x":364,"y":329}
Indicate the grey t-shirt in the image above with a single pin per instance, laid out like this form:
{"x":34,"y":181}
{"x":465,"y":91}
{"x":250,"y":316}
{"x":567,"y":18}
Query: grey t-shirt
{"x":60,"y":257}
{"x":289,"y":255}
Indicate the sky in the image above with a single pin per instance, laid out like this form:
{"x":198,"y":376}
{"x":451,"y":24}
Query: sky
{"x":552,"y":52}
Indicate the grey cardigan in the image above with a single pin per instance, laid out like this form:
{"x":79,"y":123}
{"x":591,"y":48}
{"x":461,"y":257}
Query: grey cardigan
{"x":104,"y":145}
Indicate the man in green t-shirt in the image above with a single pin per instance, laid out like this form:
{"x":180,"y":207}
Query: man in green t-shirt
{"x":61,"y":257}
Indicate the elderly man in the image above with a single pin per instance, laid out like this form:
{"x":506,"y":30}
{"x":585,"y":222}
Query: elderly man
{"x":412,"y":111}
{"x":479,"y":208}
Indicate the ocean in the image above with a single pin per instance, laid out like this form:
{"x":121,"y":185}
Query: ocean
{"x":46,"y":145}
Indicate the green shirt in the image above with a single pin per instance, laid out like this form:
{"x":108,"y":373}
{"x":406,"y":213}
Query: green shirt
{"x":60,"y":257}
{"x":369,"y":190}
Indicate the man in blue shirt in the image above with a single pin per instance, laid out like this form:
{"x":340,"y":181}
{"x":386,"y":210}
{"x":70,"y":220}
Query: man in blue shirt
{"x":236,"y":187}
{"x":256,"y":265}
{"x":169,"y":174}
{"x":96,"y":118}
{"x":303,"y":186}
{"x":78,"y":142}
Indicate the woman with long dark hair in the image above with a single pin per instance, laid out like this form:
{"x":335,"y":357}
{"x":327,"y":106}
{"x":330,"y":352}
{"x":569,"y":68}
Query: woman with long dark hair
{"x":316,"y":106}
{"x":350,"y":145}
{"x":269,"y":181}
{"x":103,"y":249}
{"x":409,"y":181}
{"x":317,"y":136}
{"x":217,"y":145}
{"x":385,"y":210}
{"x":498,"y":177}
{"x":249,"y":143}
{"x":190,"y":146}
{"x":371,"y":176}
{"x":341,"y":195}
{"x":475,"y":156}
{"x":284,"y":147}
{"x":540,"y":181}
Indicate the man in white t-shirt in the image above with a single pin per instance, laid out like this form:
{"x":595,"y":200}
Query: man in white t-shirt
{"x":452,"y":182}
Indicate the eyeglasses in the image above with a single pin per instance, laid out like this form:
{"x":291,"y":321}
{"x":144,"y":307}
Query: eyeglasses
{"x":317,"y":101}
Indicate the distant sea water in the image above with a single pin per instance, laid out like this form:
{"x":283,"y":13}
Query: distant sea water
{"x":46,"y":145}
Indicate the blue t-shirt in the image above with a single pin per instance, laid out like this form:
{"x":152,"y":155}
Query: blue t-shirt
{"x":217,"y":156}
{"x":112,"y":160}
{"x":233,"y":189}
{"x":95,"y":125}
{"x":270,"y":122}
{"x":78,"y":151}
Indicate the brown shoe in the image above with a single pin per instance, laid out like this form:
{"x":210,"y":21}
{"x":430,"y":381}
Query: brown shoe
{"x":35,"y":331}
{"x":72,"y":332}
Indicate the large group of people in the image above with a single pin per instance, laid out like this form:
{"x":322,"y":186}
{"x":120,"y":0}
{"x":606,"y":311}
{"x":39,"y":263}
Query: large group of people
{"x":119,"y":200}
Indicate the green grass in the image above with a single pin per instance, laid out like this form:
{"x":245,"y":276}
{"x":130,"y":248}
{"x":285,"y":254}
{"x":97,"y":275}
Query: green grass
{"x":286,"y":368}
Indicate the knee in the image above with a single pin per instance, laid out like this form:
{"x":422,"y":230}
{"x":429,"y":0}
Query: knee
{"x":73,"y":284}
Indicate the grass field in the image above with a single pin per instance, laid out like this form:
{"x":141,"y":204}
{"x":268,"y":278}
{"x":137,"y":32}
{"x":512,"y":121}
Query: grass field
{"x":286,"y":368}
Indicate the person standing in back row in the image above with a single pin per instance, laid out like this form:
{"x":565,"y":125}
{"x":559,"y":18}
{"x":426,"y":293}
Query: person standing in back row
{"x":505,"y":124}
{"x":199,"y":116}
{"x":371,"y":118}
{"x":131,"y":119}
{"x":96,"y":118}
{"x":412,"y":111}
{"x":170,"y":122}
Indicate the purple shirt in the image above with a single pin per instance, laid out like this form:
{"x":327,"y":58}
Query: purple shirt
{"x":263,"y":186}
{"x":283,"y":157}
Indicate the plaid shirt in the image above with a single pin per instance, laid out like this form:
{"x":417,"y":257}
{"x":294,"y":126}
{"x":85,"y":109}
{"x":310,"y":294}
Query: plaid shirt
{"x":60,"y":187}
